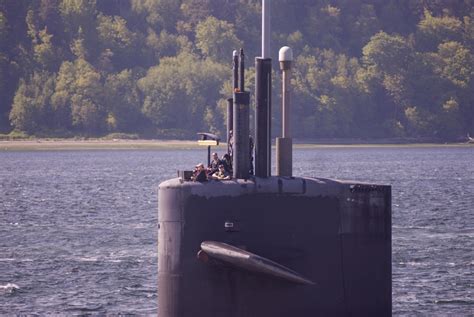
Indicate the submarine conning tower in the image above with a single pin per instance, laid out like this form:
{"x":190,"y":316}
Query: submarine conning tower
{"x":336,"y":235}
{"x":262,"y":245}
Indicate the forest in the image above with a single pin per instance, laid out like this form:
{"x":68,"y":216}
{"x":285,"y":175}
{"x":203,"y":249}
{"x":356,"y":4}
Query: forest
{"x":369,"y":69}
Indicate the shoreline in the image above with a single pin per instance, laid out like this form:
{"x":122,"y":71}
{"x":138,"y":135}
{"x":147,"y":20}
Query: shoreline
{"x":94,"y":144}
{"x":122,"y":144}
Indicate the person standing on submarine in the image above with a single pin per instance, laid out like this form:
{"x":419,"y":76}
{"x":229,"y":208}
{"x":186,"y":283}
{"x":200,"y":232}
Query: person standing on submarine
{"x":199,"y":174}
{"x":226,"y":161}
{"x":214,"y":166}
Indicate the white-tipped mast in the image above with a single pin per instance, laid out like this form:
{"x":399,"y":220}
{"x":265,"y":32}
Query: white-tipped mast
{"x":263,"y":99}
{"x":266,"y":28}
{"x":284,"y":145}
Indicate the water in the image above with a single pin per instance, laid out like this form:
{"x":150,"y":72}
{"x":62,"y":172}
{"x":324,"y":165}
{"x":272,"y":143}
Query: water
{"x":78,"y":229}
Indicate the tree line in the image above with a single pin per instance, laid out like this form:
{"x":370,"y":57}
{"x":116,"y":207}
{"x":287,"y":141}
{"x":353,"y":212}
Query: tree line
{"x":162,"y":68}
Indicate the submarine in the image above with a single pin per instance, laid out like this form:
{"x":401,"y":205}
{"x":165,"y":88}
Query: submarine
{"x":271,"y":245}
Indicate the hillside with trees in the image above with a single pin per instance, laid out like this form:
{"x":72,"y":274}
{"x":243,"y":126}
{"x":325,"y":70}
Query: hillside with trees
{"x":162,"y":68}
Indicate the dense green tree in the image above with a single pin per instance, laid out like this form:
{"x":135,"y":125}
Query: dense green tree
{"x":216,"y":38}
{"x":44,"y":51}
{"x":324,"y":26}
{"x":80,"y":19}
{"x":193,"y":11}
{"x":124,"y":102}
{"x":389,"y":54}
{"x":122,"y":43}
{"x":159,"y":14}
{"x":363,"y":28}
{"x":180,"y":89}
{"x":455,"y":63}
{"x":327,"y":81}
{"x":165,"y":44}
{"x":78,"y":98}
{"x":31,"y":105}
{"x":389,"y":59}
{"x":78,"y":13}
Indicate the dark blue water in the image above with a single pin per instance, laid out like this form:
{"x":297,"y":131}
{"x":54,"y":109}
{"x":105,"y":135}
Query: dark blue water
{"x":78,"y":229}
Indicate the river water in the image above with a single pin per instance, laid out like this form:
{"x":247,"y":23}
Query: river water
{"x":78,"y":229}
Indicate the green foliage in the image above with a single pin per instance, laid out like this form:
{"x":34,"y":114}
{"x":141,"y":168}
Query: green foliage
{"x":194,"y":11}
{"x":160,"y":14}
{"x":327,"y":81}
{"x":215,"y":37}
{"x":78,"y":46}
{"x":78,"y":13}
{"x":4,"y":91}
{"x":44,"y":52}
{"x":433,"y":31}
{"x":388,"y":54}
{"x":78,"y":98}
{"x":178,"y":91}
{"x":115,"y":37}
{"x":17,"y":135}
{"x":364,"y":27}
{"x":166,"y":44}
{"x":3,"y":27}
{"x":79,"y":18}
{"x":162,"y":68}
{"x":124,"y":103}
{"x":455,"y":63}
{"x":31,"y":105}
{"x":324,"y":22}
{"x":420,"y":121}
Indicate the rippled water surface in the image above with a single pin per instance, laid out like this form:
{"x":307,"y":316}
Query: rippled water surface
{"x":78,"y":229}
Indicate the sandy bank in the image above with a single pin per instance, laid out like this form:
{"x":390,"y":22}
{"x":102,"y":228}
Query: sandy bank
{"x":72,"y":144}
{"x":100,"y":144}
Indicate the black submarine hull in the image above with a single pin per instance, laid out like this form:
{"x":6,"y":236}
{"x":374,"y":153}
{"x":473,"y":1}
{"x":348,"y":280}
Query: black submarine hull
{"x":335,"y":234}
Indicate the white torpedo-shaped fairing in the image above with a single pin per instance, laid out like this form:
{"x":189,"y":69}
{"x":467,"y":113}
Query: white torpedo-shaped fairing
{"x":242,"y":259}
